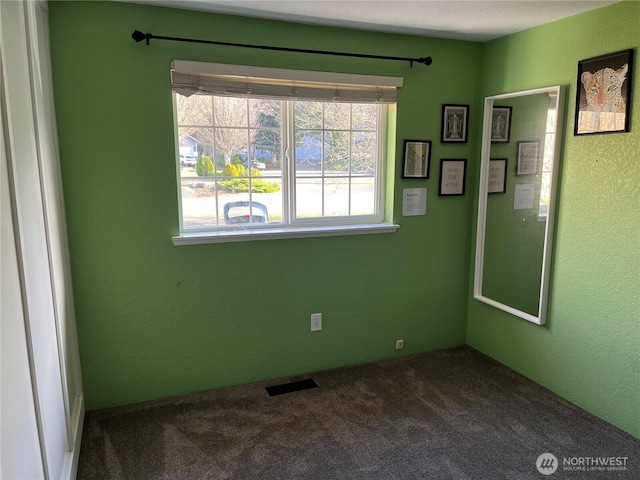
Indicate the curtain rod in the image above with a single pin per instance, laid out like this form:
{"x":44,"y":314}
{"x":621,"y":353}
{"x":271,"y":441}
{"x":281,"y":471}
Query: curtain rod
{"x":138,"y":36}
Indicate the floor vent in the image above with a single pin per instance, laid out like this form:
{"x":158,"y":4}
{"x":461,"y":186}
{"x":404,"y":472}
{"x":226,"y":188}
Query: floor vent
{"x":291,"y":387}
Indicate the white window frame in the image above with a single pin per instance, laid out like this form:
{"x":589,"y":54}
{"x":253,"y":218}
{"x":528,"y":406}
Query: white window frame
{"x":292,"y":227}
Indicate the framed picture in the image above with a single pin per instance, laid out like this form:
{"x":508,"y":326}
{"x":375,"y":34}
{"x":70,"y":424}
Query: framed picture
{"x":452,"y":176}
{"x":603,"y":94}
{"x":497,"y":175}
{"x":417,"y":159}
{"x":527,"y":158}
{"x":455,"y":123}
{"x":501,"y":124}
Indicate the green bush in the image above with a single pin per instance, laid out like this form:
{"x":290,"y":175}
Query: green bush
{"x":204,"y":166}
{"x":242,"y":185}
{"x":233,"y":170}
{"x":230,"y":170}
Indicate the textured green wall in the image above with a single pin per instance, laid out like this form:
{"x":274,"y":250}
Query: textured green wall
{"x":588,"y":352}
{"x":156,"y":320}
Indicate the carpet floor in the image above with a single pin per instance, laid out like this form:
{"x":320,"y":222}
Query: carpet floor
{"x":449,"y":414}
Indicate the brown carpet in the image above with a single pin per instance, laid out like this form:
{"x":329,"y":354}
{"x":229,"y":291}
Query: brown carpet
{"x":449,"y":414}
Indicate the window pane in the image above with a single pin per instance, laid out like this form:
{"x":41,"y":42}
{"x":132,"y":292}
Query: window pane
{"x":363,"y":153}
{"x":230,"y":111}
{"x":337,"y":197}
{"x":266,"y":148}
{"x":364,"y":116}
{"x":198,"y":203}
{"x":272,"y":200}
{"x":193,"y":142}
{"x":337,"y":153}
{"x":196,"y":177}
{"x":308,"y":152}
{"x":337,"y":116}
{"x":231,"y":144}
{"x":363,"y":196}
{"x":265,"y":113}
{"x":308,"y":115}
{"x":193,"y":110}
{"x":308,"y":197}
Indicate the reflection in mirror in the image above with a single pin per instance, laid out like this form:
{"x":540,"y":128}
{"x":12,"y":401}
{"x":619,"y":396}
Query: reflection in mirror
{"x":516,"y":204}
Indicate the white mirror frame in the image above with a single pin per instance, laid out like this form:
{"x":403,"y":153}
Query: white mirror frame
{"x":541,"y":317}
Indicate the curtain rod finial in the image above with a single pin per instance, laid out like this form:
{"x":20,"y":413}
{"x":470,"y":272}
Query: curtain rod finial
{"x":138,"y":36}
{"x":425,"y":61}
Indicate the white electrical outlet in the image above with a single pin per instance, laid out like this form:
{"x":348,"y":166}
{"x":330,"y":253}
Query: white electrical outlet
{"x":316,"y":322}
{"x":399,"y":344}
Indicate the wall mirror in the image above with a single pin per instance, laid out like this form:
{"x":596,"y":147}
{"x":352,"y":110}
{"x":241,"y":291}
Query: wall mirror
{"x":518,"y":180}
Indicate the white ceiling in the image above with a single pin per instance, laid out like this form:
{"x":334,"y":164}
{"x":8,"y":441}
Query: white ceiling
{"x":476,"y":20}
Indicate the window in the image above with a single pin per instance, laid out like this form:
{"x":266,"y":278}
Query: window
{"x":268,"y":150}
{"x":547,"y":160}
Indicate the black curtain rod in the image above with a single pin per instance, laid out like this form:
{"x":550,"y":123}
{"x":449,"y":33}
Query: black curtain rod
{"x":138,"y":36}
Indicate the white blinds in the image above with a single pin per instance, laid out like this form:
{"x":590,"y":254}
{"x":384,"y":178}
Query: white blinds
{"x":188,"y":78}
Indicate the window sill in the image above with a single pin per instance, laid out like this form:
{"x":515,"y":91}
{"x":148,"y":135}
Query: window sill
{"x":249,"y":235}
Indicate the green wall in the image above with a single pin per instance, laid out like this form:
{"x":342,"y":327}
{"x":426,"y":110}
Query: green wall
{"x":156,"y":320}
{"x":588,"y":352}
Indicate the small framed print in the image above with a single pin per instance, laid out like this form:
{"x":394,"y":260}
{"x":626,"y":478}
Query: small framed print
{"x":497,"y":182}
{"x":527,"y":158}
{"x":452,"y":176}
{"x":603,"y":94}
{"x":455,"y":123}
{"x":417,"y":159}
{"x":501,"y":124}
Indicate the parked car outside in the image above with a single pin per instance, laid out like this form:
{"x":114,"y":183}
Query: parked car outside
{"x":255,"y":164}
{"x":188,"y":161}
